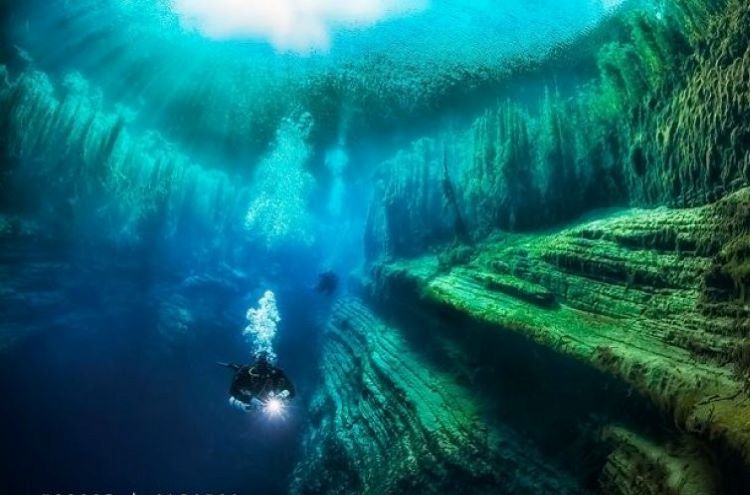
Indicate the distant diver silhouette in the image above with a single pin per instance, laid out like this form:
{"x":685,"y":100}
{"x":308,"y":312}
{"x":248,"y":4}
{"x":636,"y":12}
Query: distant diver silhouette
{"x":328,"y":282}
{"x":260,"y":386}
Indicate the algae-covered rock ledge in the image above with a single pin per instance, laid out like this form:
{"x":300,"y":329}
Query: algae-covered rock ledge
{"x":596,"y":358}
{"x":387,"y":420}
{"x":652,"y":297}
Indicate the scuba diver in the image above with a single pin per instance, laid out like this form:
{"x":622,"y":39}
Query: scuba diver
{"x":259,"y":386}
{"x":328,"y":282}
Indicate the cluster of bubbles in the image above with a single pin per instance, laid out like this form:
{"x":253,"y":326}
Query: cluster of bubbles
{"x":263,"y":322}
{"x":282,"y":186}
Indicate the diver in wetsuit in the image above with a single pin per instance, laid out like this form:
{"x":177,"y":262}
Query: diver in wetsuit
{"x":328,"y":282}
{"x":259,"y":385}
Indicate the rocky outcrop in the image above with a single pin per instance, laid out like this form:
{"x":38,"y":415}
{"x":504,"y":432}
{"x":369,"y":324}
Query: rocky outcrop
{"x":639,"y":466}
{"x":136,"y":187}
{"x":659,"y":119}
{"x":386,"y":420}
{"x":655,"y":298}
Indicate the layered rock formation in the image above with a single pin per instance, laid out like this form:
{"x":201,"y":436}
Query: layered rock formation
{"x":640,"y":466}
{"x":386,"y":420}
{"x":655,"y":298}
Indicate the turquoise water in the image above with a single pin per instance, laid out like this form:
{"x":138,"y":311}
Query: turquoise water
{"x":167,"y":162}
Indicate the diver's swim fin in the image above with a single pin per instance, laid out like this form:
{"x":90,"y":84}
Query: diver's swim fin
{"x":233,"y":366}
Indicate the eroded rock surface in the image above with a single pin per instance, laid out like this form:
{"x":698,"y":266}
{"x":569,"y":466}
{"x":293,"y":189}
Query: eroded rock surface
{"x":639,"y":466}
{"x":652,"y":297}
{"x":387,"y":421}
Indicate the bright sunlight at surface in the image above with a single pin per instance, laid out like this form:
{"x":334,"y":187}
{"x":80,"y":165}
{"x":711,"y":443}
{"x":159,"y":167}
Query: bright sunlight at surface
{"x":289,"y":25}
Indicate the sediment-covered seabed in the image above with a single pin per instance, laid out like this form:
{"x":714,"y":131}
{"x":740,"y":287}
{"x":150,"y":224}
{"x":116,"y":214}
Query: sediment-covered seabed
{"x":546,"y":238}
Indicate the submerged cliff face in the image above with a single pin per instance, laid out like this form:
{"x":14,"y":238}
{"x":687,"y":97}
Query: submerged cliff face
{"x":629,"y":329}
{"x":661,"y":121}
{"x":646,"y":296}
{"x":387,"y":420}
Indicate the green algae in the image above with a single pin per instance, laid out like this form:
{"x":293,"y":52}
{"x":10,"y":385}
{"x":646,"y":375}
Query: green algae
{"x":387,"y":420}
{"x":629,"y":305}
{"x":640,"y":465}
{"x":660,"y":123}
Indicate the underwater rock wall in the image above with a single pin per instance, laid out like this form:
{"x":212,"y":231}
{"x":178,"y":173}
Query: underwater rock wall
{"x":90,"y":165}
{"x":703,"y":134}
{"x":639,"y":466}
{"x":386,"y":421}
{"x":663,"y":123}
{"x":654,"y":298}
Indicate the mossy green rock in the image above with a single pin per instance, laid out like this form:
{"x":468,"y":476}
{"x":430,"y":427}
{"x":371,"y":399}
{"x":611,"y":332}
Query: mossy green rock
{"x":387,"y":421}
{"x":648,"y":296}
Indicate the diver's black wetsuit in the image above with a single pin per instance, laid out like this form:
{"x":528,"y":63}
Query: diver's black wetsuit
{"x":328,"y":282}
{"x":260,"y":381}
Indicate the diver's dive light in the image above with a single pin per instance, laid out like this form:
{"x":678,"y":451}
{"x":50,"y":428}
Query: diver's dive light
{"x":273,"y":407}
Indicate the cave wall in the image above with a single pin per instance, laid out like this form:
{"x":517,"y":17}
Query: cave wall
{"x":662,"y":123}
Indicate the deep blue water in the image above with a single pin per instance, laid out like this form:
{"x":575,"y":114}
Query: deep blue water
{"x":104,"y":403}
